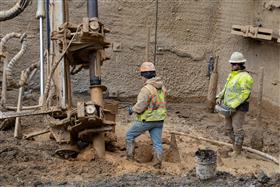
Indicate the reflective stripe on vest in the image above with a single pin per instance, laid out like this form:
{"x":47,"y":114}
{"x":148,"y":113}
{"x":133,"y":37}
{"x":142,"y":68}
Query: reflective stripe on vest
{"x":156,"y":109}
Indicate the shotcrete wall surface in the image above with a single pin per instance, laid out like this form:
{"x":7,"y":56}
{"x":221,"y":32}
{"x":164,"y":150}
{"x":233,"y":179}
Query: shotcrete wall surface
{"x":189,"y":31}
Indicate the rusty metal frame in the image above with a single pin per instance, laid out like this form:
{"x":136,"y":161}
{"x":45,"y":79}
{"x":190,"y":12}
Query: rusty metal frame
{"x":72,"y":45}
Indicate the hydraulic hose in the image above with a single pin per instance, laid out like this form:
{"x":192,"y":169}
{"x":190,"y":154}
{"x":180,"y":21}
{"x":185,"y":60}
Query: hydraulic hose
{"x":14,"y":11}
{"x":11,"y":64}
{"x":26,"y":74}
{"x":5,"y":39}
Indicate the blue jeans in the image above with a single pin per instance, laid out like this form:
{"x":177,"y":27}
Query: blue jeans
{"x":154,"y":128}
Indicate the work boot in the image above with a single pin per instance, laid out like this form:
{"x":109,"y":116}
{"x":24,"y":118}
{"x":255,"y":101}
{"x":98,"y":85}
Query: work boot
{"x":237,"y":146}
{"x":236,"y":151}
{"x":230,"y":134}
{"x":157,"y":160}
{"x":130,"y":150}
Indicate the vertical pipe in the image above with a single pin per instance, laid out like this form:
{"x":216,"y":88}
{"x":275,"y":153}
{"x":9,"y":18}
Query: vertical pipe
{"x":17,"y":131}
{"x":40,"y":14}
{"x":60,"y":21}
{"x":48,"y":24}
{"x":96,"y":91}
{"x":257,"y":136}
{"x":42,"y":76}
{"x":95,"y":70}
{"x":260,"y":93}
{"x":99,"y":144}
{"x":66,"y":10}
{"x":212,"y":87}
{"x":92,"y":8}
{"x":259,"y":110}
{"x":96,"y":95}
{"x":66,"y":62}
{"x":155,"y":53}
{"x":57,"y":19}
{"x":4,"y":84}
{"x":147,"y":44}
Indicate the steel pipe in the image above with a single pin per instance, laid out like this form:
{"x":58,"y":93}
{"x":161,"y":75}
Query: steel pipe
{"x":96,"y":95}
{"x":42,"y":76}
{"x":95,"y":69}
{"x":92,"y":8}
{"x":57,"y":61}
{"x":40,"y":14}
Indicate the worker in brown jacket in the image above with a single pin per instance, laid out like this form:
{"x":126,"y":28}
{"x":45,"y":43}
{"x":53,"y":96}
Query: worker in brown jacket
{"x":151,"y":112}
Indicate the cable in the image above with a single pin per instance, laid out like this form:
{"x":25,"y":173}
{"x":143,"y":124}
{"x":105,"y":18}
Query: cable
{"x":155,"y":51}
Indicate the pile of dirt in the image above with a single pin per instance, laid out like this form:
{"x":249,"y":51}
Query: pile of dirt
{"x":26,"y":162}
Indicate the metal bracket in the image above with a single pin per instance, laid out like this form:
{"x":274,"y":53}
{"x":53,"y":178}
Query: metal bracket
{"x":252,"y":32}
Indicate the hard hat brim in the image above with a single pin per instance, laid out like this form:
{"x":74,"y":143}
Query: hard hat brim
{"x":237,"y":62}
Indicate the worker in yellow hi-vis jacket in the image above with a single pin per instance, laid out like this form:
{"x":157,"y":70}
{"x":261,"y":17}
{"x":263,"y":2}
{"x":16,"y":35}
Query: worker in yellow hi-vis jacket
{"x":233,"y":100}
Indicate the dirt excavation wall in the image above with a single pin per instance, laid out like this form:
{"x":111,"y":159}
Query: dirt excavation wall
{"x":189,"y":31}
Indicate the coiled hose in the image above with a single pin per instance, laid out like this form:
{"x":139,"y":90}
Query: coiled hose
{"x":3,"y":42}
{"x":10,"y":78}
{"x":14,"y":11}
{"x":5,"y":39}
{"x":25,"y":74}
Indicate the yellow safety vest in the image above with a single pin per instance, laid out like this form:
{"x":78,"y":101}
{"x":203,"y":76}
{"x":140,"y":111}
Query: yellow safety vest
{"x":156,"y":109}
{"x":237,"y":89}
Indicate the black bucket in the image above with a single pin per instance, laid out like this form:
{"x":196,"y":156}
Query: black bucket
{"x":206,"y":163}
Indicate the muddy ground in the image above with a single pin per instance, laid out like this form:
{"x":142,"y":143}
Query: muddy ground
{"x":33,"y":163}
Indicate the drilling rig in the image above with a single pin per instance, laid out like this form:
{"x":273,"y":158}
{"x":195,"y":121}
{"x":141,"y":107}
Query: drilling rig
{"x":71,"y":48}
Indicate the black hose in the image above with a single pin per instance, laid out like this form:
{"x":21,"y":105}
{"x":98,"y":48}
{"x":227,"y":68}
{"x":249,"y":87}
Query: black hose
{"x":48,"y":25}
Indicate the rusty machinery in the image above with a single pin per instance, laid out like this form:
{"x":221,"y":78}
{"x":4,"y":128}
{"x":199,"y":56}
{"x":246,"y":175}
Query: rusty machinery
{"x":72,"y":47}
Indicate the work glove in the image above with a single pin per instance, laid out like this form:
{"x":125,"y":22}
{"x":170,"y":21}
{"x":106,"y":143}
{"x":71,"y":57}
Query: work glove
{"x":130,"y":111}
{"x":218,"y":101}
{"x":232,"y":111}
{"x":224,"y":110}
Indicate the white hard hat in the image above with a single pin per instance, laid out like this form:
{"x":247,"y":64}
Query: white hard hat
{"x":237,"y":57}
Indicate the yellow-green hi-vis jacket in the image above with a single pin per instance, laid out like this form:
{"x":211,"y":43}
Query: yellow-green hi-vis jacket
{"x":151,"y":103}
{"x":237,"y":89}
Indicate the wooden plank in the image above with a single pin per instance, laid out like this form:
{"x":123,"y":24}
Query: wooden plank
{"x":257,"y":136}
{"x":4,"y":115}
{"x":17,"y":131}
{"x":212,"y":89}
{"x":37,"y":133}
